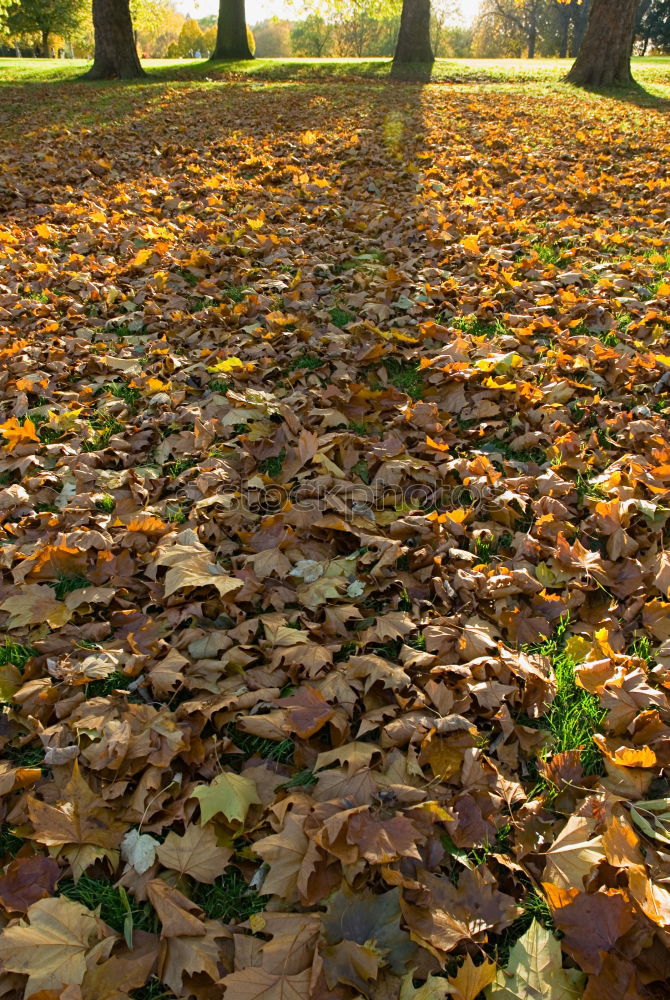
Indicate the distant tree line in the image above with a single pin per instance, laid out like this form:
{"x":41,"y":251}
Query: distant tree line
{"x":600,"y":34}
{"x":556,"y":28}
{"x":504,"y":28}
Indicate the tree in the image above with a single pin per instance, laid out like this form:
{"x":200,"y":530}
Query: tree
{"x":157,"y":24}
{"x":653,"y":25}
{"x":273,"y":38}
{"x":209,"y":39}
{"x":604,"y":55}
{"x":523,"y":15}
{"x":311,"y":37}
{"x":45,"y":17}
{"x":191,"y":38}
{"x":413,"y":45}
{"x":232,"y":39}
{"x":115,"y":50}
{"x":448,"y":33}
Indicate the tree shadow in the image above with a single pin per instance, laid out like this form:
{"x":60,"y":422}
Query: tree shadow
{"x":635,"y":94}
{"x":412,"y":72}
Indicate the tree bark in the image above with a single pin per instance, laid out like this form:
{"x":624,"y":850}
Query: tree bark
{"x":564,"y":33}
{"x":115,"y":51}
{"x":413,"y":45}
{"x":604,"y":55}
{"x":580,"y":14}
{"x":231,"y":39}
{"x":45,"y":43}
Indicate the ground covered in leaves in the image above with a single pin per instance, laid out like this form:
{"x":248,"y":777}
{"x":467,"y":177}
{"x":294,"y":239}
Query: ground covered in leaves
{"x":334,"y":509}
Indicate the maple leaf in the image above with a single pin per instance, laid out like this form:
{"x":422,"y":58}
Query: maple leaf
{"x":17,"y":433}
{"x":572,"y":854}
{"x":82,"y":826}
{"x":114,"y":978}
{"x":229,"y":794}
{"x":286,"y":853}
{"x":199,"y":571}
{"x":591,"y":923}
{"x":196,"y":854}
{"x":26,"y":880}
{"x":471,"y":979}
{"x":139,"y":850}
{"x":534,"y":971}
{"x":35,"y":604}
{"x":364,"y":918}
{"x":256,"y":984}
{"x":52,"y":945}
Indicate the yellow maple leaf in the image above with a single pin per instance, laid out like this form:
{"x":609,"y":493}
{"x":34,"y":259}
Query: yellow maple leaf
{"x":141,"y":257}
{"x":471,"y":244}
{"x":228,"y":365}
{"x":16,"y":433}
{"x":229,"y":794}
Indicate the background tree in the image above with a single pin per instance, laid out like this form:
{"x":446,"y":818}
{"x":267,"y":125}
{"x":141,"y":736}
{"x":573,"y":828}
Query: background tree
{"x":208,"y":39}
{"x":273,"y":38}
{"x":448,"y":32}
{"x":413,"y":45}
{"x":653,"y":25}
{"x":604,"y":55}
{"x":45,"y":18}
{"x":191,"y":39}
{"x":115,"y":50}
{"x":312,"y":37}
{"x":496,"y":37}
{"x":232,"y":40}
{"x":157,"y":23}
{"x":522,"y":15}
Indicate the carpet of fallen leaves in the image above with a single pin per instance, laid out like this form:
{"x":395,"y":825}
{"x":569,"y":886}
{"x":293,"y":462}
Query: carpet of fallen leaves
{"x":335,"y":597}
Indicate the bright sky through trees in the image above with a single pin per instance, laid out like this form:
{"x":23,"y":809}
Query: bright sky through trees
{"x":259,"y":9}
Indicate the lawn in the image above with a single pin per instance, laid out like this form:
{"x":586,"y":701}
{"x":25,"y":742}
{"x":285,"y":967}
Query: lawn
{"x":334,"y":500}
{"x":651,"y":72}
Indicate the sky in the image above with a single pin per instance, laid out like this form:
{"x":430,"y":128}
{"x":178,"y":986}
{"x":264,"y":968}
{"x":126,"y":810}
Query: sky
{"x":259,"y":9}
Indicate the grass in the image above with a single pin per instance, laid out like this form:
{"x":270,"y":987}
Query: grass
{"x":272,"y":466}
{"x":308,"y":361}
{"x":480,"y":327}
{"x":106,"y":503}
{"x":281,"y":752}
{"x":153,"y":990}
{"x":10,"y":844}
{"x":116,"y":908}
{"x":107,"y":685}
{"x":229,"y":898}
{"x":651,"y":72}
{"x":120,"y":390}
{"x":105,"y":425}
{"x":536,"y":455}
{"x":25,"y":756}
{"x":67,"y":584}
{"x":405,"y":376}
{"x":575,"y":715}
{"x":340,"y":317}
{"x":12,"y":652}
{"x":535,"y":907}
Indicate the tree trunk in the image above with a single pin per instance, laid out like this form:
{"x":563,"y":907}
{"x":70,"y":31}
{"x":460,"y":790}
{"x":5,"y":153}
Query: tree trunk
{"x":565,"y":30}
{"x":604,"y":55}
{"x":231,"y":39}
{"x":115,"y":51}
{"x":413,"y":45}
{"x":580,"y":14}
{"x":532,"y":39}
{"x":45,"y":43}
